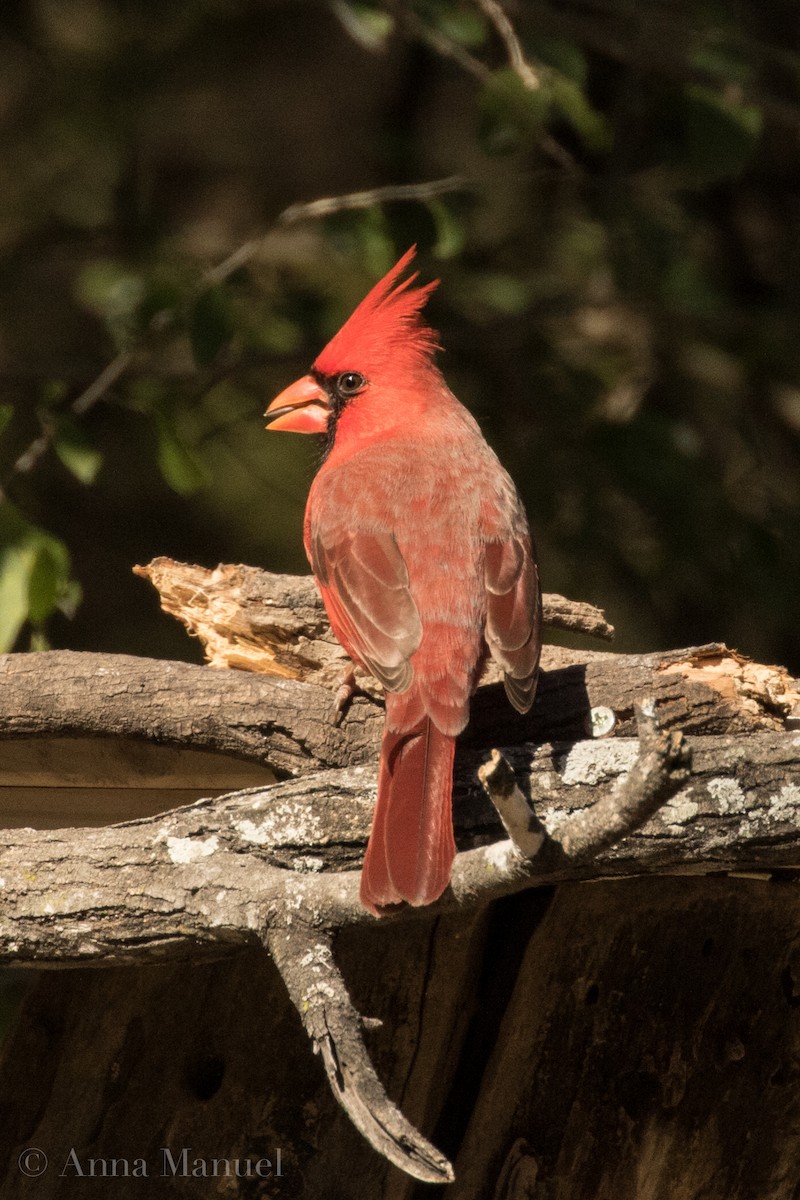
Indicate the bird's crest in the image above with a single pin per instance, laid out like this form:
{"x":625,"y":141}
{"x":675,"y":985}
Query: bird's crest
{"x":386,"y":326}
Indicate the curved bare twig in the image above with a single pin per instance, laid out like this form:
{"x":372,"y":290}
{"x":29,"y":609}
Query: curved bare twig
{"x":661,"y":768}
{"x":305,"y":960}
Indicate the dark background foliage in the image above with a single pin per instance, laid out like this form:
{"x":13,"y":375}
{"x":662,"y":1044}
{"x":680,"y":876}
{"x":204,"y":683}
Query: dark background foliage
{"x":619,"y":260}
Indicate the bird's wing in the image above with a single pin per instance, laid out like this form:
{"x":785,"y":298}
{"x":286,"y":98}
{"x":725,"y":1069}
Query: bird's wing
{"x":364,"y":584}
{"x":514,"y":613}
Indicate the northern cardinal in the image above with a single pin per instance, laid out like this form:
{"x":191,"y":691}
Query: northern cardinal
{"x":420,"y":547}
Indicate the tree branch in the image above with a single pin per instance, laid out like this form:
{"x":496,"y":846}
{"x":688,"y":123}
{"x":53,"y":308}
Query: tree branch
{"x":276,"y":624}
{"x":525,"y":831}
{"x":305,"y":960}
{"x":516,"y":57}
{"x":209,"y":876}
{"x":326,"y":206}
{"x":256,"y":865}
{"x":286,"y":723}
{"x":663,"y":766}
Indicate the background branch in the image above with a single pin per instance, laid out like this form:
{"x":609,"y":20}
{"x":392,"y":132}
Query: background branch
{"x":516,"y":57}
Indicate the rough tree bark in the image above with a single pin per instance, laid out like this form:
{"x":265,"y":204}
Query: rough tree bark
{"x":627,"y":1028}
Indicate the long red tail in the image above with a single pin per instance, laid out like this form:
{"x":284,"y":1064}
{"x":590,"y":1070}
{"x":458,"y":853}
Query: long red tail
{"x":411,"y":846}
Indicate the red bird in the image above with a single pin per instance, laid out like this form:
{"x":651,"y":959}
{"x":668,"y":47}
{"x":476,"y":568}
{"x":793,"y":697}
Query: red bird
{"x":421,"y":550}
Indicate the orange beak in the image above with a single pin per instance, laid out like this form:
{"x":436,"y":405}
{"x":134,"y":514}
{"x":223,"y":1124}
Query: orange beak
{"x":303,"y":407}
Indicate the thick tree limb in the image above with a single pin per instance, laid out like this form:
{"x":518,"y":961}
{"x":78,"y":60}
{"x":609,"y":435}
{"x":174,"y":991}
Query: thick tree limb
{"x":206,"y":878}
{"x":276,"y":624}
{"x":286,"y":724}
{"x":254,"y":717}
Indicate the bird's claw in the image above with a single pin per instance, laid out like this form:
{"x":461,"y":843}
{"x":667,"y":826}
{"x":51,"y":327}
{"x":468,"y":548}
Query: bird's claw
{"x":344,"y":694}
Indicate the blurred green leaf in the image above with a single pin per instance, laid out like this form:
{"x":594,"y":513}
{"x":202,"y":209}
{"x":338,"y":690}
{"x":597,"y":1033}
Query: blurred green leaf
{"x":210,"y":325}
{"x":114,"y":293}
{"x":568,"y":98}
{"x":501,"y":292}
{"x":49,"y":567}
{"x":6,"y":413}
{"x":109,"y":289}
{"x":69,"y":597}
{"x":180,"y":467}
{"x":53,"y":392}
{"x":685,"y":288}
{"x":162,"y":297}
{"x":565,"y":57}
{"x":375,"y":236}
{"x":75,"y":450}
{"x":510,"y":114}
{"x":146,"y":394}
{"x":721,"y":132}
{"x":450,"y":232}
{"x":462,"y":23}
{"x":275,"y":334}
{"x":16,"y":562}
{"x":724,"y":61}
{"x":366,"y":24}
{"x":364,"y":237}
{"x":34,"y":574}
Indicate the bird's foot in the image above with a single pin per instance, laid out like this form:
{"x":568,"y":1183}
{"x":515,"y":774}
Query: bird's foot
{"x":344,"y":694}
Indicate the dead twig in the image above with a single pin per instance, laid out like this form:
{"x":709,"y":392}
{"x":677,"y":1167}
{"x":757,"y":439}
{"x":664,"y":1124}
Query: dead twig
{"x":326,"y":206}
{"x":520,"y":822}
{"x":661,"y":768}
{"x":305,"y":960}
{"x":255,"y":620}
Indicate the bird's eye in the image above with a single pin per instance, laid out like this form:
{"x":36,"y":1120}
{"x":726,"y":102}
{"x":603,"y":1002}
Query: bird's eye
{"x":350,"y":382}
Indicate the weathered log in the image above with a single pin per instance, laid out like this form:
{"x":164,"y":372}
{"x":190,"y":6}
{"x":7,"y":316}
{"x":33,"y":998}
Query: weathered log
{"x":202,"y":880}
{"x":286,"y":724}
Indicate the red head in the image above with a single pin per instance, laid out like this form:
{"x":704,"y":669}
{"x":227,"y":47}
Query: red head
{"x":385,"y":340}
